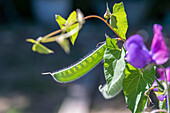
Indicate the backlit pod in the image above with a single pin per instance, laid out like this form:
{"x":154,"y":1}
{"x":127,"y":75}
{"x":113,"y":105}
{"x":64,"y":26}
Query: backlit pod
{"x":82,"y":67}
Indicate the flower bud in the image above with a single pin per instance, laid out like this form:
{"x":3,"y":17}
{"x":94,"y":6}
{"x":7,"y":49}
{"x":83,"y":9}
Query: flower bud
{"x":107,"y":15}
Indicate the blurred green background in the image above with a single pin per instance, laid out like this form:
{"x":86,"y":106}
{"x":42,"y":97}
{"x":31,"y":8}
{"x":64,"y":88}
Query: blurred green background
{"x":22,"y":87}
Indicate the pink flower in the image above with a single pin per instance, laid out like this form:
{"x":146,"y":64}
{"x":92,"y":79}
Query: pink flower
{"x":162,"y":75}
{"x":159,"y":50}
{"x":139,"y":56}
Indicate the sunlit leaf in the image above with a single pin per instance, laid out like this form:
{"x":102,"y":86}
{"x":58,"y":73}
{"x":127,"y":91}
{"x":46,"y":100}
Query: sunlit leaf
{"x":72,"y":19}
{"x":114,"y":65}
{"x":112,"y":44}
{"x":31,"y":40}
{"x":118,"y":20}
{"x":135,"y":84}
{"x":69,"y":24}
{"x":60,"y":20}
{"x":37,"y":47}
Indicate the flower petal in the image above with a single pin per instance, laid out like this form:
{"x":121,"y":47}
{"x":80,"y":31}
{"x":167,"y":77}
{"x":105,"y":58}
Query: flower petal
{"x":133,"y":39}
{"x":138,"y":54}
{"x":162,"y":97}
{"x":168,"y":73}
{"x":159,"y":50}
{"x":161,"y":73}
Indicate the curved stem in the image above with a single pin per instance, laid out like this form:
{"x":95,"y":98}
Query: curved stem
{"x":164,"y":73}
{"x":95,"y":16}
{"x":167,"y":86}
{"x":159,"y":83}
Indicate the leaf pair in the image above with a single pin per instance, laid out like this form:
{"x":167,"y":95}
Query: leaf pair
{"x":72,"y":26}
{"x":69,"y":24}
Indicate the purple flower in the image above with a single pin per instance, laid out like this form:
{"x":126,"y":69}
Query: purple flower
{"x":159,"y":51}
{"x":160,"y":71}
{"x":139,"y":56}
{"x":162,"y":97}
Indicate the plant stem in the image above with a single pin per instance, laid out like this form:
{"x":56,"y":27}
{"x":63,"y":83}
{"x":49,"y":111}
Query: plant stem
{"x":159,"y":83}
{"x":65,"y":35}
{"x":87,"y":17}
{"x":167,"y":86}
{"x":51,"y":34}
{"x":95,"y":16}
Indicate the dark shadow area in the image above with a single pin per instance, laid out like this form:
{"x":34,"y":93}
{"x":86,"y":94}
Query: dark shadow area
{"x":23,"y":89}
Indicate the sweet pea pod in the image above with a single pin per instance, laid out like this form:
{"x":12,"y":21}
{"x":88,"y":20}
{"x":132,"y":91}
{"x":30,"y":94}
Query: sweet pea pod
{"x":82,"y":67}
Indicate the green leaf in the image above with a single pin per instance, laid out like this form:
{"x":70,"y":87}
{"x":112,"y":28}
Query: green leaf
{"x":107,"y":13}
{"x":60,"y":20}
{"x":72,"y":19}
{"x":142,"y":104}
{"x":118,"y":20}
{"x":69,"y":25}
{"x":37,"y":47}
{"x":135,"y":84}
{"x":114,"y":65}
{"x":111,"y":43}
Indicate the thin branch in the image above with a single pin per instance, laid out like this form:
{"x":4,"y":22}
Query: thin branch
{"x":65,"y":35}
{"x":87,"y":17}
{"x":51,"y":34}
